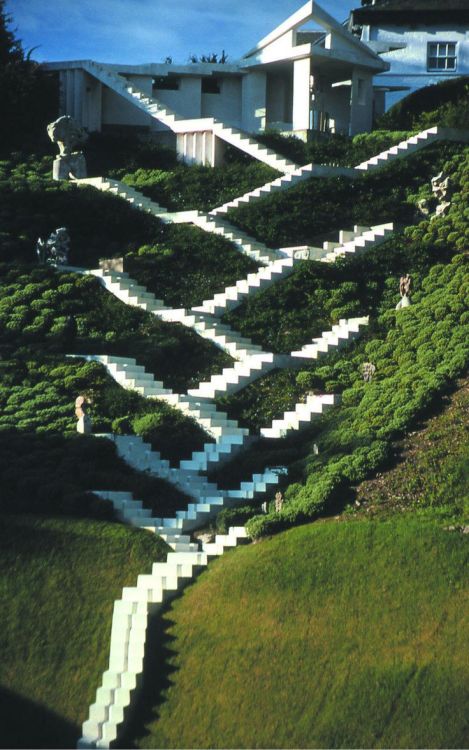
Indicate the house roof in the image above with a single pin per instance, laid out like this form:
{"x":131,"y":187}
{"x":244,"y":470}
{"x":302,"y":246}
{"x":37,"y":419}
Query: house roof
{"x":424,"y":12}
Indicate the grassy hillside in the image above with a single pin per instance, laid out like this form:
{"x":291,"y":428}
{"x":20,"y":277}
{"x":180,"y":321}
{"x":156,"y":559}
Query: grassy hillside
{"x":58,"y":581}
{"x":348,"y":635}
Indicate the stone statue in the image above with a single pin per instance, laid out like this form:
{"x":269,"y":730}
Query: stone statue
{"x":278,"y":502}
{"x":54,"y":251}
{"x":67,"y":135}
{"x":368,"y":370}
{"x":405,"y":287}
{"x":442,"y":189}
{"x":81,"y":413}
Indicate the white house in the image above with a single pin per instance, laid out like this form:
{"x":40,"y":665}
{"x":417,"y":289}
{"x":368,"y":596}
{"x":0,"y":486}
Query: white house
{"x":423,"y":41}
{"x":310,"y":73}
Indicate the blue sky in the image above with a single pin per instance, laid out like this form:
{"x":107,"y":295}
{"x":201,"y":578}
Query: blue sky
{"x":135,"y":31}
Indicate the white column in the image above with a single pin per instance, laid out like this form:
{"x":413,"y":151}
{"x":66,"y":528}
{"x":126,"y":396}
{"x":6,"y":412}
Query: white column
{"x":361,"y":102}
{"x":301,"y":94}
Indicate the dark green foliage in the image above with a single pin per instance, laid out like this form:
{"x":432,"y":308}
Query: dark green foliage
{"x":188,"y":265}
{"x":28,"y":94}
{"x":35,"y":309}
{"x":108,"y":153}
{"x":445,"y":104}
{"x":332,"y":148}
{"x":50,"y":474}
{"x":234,"y":517}
{"x":197,"y":187}
{"x":171,"y":433}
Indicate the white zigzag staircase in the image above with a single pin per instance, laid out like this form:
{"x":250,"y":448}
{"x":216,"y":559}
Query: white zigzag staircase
{"x":177,"y":124}
{"x":355,"y":243}
{"x":411,"y":145}
{"x":301,"y":416}
{"x":341,"y":333}
{"x":241,"y":241}
{"x":132,"y":613}
{"x":284,"y":183}
{"x":233,"y":379}
{"x":131,"y":293}
{"x":233,"y":296}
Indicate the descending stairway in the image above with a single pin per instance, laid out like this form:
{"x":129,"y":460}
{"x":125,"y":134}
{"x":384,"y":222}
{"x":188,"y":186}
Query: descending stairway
{"x":341,"y":333}
{"x":411,"y":145}
{"x":233,"y":379}
{"x":233,"y":296}
{"x":206,"y":326}
{"x":284,"y":183}
{"x":242,"y":241}
{"x":132,"y":612}
{"x":301,"y":416}
{"x":177,"y":124}
{"x":356,"y":242}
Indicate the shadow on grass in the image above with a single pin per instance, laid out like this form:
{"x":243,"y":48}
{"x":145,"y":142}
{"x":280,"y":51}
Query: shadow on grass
{"x":156,"y":680}
{"x":28,"y":724}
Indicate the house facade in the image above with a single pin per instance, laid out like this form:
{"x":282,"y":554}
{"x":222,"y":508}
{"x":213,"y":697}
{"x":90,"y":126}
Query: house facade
{"x":423,"y":42}
{"x":308,"y":74}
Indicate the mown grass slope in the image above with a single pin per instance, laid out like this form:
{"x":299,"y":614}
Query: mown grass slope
{"x":330,"y":635}
{"x":58,"y":582}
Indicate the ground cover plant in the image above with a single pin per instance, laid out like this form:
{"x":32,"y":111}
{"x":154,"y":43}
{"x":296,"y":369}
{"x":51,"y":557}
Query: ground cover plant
{"x":443,"y":104}
{"x":45,"y":310}
{"x":59,"y":578}
{"x":197,"y":187}
{"x":352,"y":635}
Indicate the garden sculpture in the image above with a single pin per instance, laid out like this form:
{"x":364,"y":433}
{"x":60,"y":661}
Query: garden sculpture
{"x":67,"y":135}
{"x":81,"y":413}
{"x":278,"y":502}
{"x":368,"y":370}
{"x":54,"y":251}
{"x":405,"y":286}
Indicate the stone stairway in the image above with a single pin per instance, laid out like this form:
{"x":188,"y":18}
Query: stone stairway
{"x":132,"y":615}
{"x":284,"y":182}
{"x":243,"y":242}
{"x":341,"y":333}
{"x":234,"y":379}
{"x":233,"y":296}
{"x":411,"y":145}
{"x":355,"y":243}
{"x":159,"y":111}
{"x":301,"y":416}
{"x":205,"y":325}
{"x":209,"y":499}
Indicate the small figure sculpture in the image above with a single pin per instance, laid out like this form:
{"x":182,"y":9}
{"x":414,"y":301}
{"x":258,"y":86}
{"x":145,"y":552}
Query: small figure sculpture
{"x":54,"y":251}
{"x":442,"y":189}
{"x":278,"y":502}
{"x":368,"y":370}
{"x":405,"y":286}
{"x":81,"y":413}
{"x":67,"y":134}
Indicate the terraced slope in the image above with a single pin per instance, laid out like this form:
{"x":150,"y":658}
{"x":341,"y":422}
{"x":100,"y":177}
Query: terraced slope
{"x":332,"y":635}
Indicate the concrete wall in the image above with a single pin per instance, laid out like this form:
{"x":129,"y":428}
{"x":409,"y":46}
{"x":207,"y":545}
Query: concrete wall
{"x":254,"y":101}
{"x":336,"y":102}
{"x":187,"y":101}
{"x":361,"y":102}
{"x":227,"y":105}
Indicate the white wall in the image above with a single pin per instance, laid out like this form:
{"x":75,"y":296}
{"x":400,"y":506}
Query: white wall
{"x":301,"y":94}
{"x":254,"y":101}
{"x":280,"y":97}
{"x":187,"y":101}
{"x":227,"y":105}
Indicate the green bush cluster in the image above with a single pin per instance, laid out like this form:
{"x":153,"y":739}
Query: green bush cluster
{"x":444,"y":104}
{"x":197,"y":187}
{"x":426,"y":347}
{"x":54,"y":311}
{"x":188,"y":265}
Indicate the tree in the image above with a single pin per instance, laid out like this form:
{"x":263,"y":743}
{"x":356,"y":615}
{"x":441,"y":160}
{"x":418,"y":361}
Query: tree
{"x":29,"y":95}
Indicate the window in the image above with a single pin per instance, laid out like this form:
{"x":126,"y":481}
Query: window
{"x":210,"y":85}
{"x":166,"y":83}
{"x":441,"y":56}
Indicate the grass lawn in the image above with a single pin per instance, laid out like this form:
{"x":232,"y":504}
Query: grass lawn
{"x":58,"y":581}
{"x":328,"y":635}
